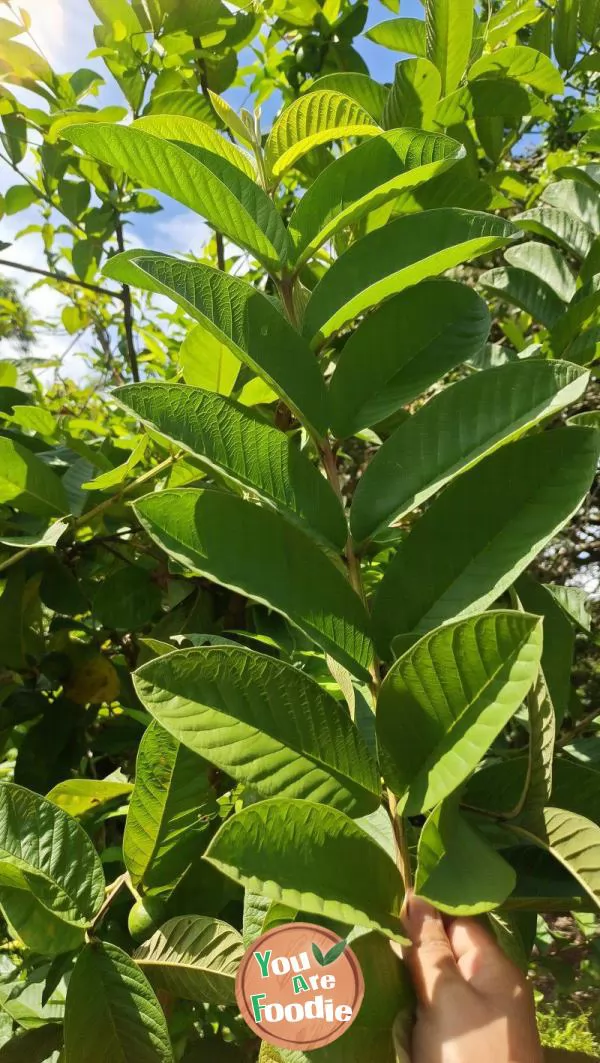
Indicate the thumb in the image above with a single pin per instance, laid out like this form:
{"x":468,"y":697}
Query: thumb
{"x":430,"y":958}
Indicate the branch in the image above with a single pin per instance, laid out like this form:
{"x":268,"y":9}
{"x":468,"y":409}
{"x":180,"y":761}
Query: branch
{"x":62,"y":277}
{"x":127,"y":312}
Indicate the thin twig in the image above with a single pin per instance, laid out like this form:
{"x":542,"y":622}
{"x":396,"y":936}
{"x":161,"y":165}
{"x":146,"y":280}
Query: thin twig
{"x":402,"y":850}
{"x":127,"y":311}
{"x":111,"y":893}
{"x":62,"y":277}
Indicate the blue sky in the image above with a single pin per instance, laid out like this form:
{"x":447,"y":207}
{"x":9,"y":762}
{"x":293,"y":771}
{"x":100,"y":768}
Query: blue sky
{"x":63,"y":30}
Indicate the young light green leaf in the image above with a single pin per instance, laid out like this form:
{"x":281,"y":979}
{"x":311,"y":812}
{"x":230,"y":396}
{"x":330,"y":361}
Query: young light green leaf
{"x":181,"y":130}
{"x":446,"y":699}
{"x":253,"y":550}
{"x":572,"y":840}
{"x":546,"y":263}
{"x":449,"y":33}
{"x":458,"y":871}
{"x":395,"y":257}
{"x":401,"y":35}
{"x":27,"y":483}
{"x":230,"y":118}
{"x":415,"y":91}
{"x":193,"y":958}
{"x":521,"y":288}
{"x":249,"y":323}
{"x":426,"y":451}
{"x":183,"y":103}
{"x":263,"y":722}
{"x":80,"y":796}
{"x":207,"y":362}
{"x":524,"y":64}
{"x":312,"y":858}
{"x":371,"y":95}
{"x":558,"y":225}
{"x":171,"y":796}
{"x":245,"y":448}
{"x":114,"y":477}
{"x":196,"y":177}
{"x":57,"y":862}
{"x":375,"y":377}
{"x":315,"y":118}
{"x":493,"y":520}
{"x":112,"y":1012}
{"x":366,"y":178}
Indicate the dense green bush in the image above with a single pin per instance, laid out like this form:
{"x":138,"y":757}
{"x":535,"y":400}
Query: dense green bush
{"x":271,"y":612}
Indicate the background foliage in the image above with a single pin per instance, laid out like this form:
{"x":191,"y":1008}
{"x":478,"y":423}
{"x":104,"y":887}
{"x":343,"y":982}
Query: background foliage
{"x":455,"y":205}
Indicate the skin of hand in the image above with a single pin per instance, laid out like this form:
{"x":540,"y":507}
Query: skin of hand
{"x":474,"y":1005}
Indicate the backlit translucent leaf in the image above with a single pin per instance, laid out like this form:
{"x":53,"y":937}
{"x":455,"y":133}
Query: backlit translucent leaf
{"x":427,"y":450}
{"x":207,"y":362}
{"x":458,"y":870}
{"x":524,"y":64}
{"x":572,"y":840}
{"x":182,"y":130}
{"x":398,"y":351}
{"x":56,"y":861}
{"x":493,"y":520}
{"x":521,"y":288}
{"x":242,"y":445}
{"x":183,"y":103}
{"x":396,"y":257}
{"x":367,"y":177}
{"x":446,"y":699}
{"x":80,"y":796}
{"x":371,"y":95}
{"x":559,"y":226}
{"x":312,"y":858}
{"x":253,"y":550}
{"x":316,"y":118}
{"x":401,"y":35}
{"x":449,"y":32}
{"x":415,"y":91}
{"x":196,"y":177}
{"x":194,"y":958}
{"x":172,"y":794}
{"x":576,"y":198}
{"x":27,"y":483}
{"x":254,"y":329}
{"x":112,"y":1012}
{"x":262,"y":722}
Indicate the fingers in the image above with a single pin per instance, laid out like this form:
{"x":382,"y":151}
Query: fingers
{"x":479,"y":958}
{"x":430,"y":959}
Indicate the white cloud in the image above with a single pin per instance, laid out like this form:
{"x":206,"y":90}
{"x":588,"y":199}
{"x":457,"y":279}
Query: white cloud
{"x":181,"y":233}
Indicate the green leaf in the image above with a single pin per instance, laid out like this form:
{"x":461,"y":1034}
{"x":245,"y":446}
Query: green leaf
{"x":565,"y":38}
{"x":114,"y":477}
{"x":523,"y":64}
{"x":126,"y":599}
{"x":589,"y":20}
{"x":194,"y":958}
{"x":489,"y":98}
{"x":546,"y":263}
{"x":371,"y":95}
{"x":57,"y":862}
{"x":316,"y":118}
{"x":401,"y":35}
{"x":27,"y":483}
{"x":261,"y":913}
{"x":33,"y":1046}
{"x":558,"y":225}
{"x":171,"y":796}
{"x":245,"y":448}
{"x":207,"y":362}
{"x":312,"y":858}
{"x":572,"y":840}
{"x":582,"y":311}
{"x":372,"y":174}
{"x":426,"y":451}
{"x":521,"y":288}
{"x":496,"y":788}
{"x":559,"y":640}
{"x":415,"y":91}
{"x":396,"y":257}
{"x":112,"y":1012}
{"x":256,"y":552}
{"x":493,"y":520}
{"x":181,"y":130}
{"x":446,"y":699}
{"x":38,"y":928}
{"x":49,"y":538}
{"x":251,"y":325}
{"x":511,"y":17}
{"x":449,"y":33}
{"x":80,"y":796}
{"x":576,"y":198}
{"x":542,"y":733}
{"x":183,"y":103}
{"x":375,"y":377}
{"x":196,"y":177}
{"x":458,"y":871}
{"x":263,"y":722}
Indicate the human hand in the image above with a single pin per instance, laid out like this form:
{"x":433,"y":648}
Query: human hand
{"x":474,"y":1005}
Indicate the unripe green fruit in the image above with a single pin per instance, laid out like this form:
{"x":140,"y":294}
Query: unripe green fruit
{"x":145,"y":917}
